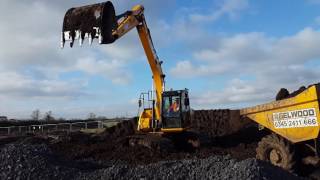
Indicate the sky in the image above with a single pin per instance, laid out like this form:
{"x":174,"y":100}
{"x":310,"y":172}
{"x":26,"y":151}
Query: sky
{"x":228,"y":53}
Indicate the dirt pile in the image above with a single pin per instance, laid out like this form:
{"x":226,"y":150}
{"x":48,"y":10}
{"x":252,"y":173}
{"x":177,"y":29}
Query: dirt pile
{"x":116,"y":149}
{"x":284,"y":93}
{"x":123,"y":129}
{"x":240,"y":145}
{"x":217,"y":123}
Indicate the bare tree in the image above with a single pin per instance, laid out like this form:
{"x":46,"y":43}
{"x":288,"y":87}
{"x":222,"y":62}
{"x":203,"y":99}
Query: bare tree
{"x":35,"y":115}
{"x":92,"y":116}
{"x":48,"y":116}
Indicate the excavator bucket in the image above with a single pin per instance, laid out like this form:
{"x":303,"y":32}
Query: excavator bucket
{"x":90,"y":22}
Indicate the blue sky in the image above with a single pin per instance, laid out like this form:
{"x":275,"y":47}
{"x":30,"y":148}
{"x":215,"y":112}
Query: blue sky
{"x":228,"y":53}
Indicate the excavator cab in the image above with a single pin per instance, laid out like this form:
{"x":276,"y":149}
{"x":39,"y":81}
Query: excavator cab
{"x":175,"y":110}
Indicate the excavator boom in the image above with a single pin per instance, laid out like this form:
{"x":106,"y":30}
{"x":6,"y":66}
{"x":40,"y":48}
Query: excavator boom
{"x":99,"y":21}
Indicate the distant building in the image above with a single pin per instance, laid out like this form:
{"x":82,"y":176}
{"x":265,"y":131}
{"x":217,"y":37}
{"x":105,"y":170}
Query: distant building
{"x":3,"y":118}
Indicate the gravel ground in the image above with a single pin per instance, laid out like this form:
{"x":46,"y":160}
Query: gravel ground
{"x":214,"y":167}
{"x":25,"y":160}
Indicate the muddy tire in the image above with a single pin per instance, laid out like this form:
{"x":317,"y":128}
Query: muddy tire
{"x":277,"y":151}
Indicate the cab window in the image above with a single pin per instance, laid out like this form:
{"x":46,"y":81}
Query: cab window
{"x":171,"y":106}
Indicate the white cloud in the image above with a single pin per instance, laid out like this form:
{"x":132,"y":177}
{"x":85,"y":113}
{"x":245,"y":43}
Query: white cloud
{"x":14,"y":85}
{"x":254,"y":50}
{"x":30,"y":42}
{"x":231,"y":8}
{"x":185,"y":69}
{"x":236,"y":93}
{"x":110,"y":69}
{"x":271,"y":62}
{"x":32,"y":62}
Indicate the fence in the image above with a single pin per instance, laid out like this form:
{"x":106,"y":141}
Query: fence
{"x":47,"y":128}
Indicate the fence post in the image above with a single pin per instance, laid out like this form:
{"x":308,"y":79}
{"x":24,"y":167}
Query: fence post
{"x":8,"y":130}
{"x":19,"y":129}
{"x":86,"y":125}
{"x":70,"y":129}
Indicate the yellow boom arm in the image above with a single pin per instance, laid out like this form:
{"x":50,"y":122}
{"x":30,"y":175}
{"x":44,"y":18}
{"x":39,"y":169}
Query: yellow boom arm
{"x":135,"y":18}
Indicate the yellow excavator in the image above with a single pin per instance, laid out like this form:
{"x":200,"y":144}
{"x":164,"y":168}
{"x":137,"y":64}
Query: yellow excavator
{"x":162,"y":111}
{"x":293,"y":122}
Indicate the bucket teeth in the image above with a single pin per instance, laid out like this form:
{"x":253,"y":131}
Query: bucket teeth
{"x":71,"y":43}
{"x":72,"y":36}
{"x":100,"y":39}
{"x":80,"y":41}
{"x":90,"y":39}
{"x":77,"y":35}
{"x":80,"y":38}
{"x":63,"y":41}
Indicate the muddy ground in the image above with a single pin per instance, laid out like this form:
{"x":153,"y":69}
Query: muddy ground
{"x":81,"y":156}
{"x":79,"y":146}
{"x":108,"y":156}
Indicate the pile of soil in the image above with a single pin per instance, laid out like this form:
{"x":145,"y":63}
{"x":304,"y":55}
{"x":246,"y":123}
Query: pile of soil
{"x":218,"y":122}
{"x":113,"y":146}
{"x":284,"y":93}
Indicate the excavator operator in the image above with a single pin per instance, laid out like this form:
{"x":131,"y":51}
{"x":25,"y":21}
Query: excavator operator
{"x":174,"y":106}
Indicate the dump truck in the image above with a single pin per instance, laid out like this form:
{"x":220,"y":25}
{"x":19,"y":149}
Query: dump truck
{"x":292,"y":122}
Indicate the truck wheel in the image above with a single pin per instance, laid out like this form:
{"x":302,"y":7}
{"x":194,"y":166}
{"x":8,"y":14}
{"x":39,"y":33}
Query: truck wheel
{"x":277,"y":151}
